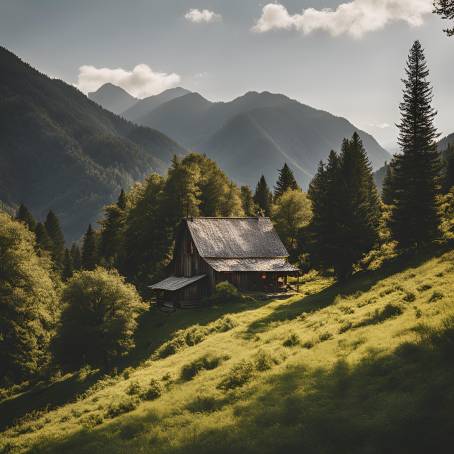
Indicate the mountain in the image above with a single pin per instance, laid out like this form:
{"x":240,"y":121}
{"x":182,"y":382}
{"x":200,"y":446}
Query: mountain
{"x":61,"y":151}
{"x":113,"y":98}
{"x":258,"y":132}
{"x":443,"y":143}
{"x":144,"y":106}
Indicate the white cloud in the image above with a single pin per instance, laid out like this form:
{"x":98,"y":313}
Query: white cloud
{"x":140,"y":82}
{"x":354,"y":18}
{"x":199,"y":16}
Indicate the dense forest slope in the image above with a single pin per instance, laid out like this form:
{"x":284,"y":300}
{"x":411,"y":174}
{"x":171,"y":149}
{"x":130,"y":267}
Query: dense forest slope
{"x":360,"y":367}
{"x":256,"y":133}
{"x":60,"y":150}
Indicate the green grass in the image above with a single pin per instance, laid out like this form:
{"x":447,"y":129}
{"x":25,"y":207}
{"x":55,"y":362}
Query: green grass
{"x":363,"y":367}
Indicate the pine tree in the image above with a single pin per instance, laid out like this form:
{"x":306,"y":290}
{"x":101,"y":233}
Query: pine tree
{"x":89,"y":250}
{"x":43,"y":241}
{"x":68,"y":266}
{"x":263,"y":197}
{"x":76,"y":257}
{"x":445,"y":8}
{"x":57,"y":239}
{"x":24,"y":216}
{"x":414,"y":218}
{"x":346,"y":209}
{"x":387,"y":190}
{"x":286,"y":181}
{"x":247,"y":200}
{"x":112,"y":227}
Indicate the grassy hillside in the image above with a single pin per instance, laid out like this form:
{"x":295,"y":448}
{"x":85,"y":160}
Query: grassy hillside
{"x":365,"y":367}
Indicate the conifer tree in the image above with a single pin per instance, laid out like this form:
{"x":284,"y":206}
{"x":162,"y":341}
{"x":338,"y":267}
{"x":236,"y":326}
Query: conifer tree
{"x":24,"y":216}
{"x":112,"y":227}
{"x":263,"y":197}
{"x":76,"y":258}
{"x":414,"y":185}
{"x":445,"y":8}
{"x":286,"y":181}
{"x":247,"y":200}
{"x":43,"y":241}
{"x":68,"y":266}
{"x":57,"y":239}
{"x":89,"y":250}
{"x":346,"y":208}
{"x":448,"y":182}
{"x":387,"y":190}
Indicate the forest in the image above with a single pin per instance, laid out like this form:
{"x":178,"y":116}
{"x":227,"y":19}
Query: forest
{"x":75,"y":318}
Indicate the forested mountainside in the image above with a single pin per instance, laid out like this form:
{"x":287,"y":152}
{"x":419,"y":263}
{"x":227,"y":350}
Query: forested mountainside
{"x":257,"y":128}
{"x":61,"y":151}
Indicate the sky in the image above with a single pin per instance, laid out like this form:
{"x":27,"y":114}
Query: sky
{"x":344,"y":57}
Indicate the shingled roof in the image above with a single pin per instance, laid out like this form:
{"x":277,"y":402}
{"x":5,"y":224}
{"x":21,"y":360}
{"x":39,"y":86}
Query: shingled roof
{"x":234,"y":238}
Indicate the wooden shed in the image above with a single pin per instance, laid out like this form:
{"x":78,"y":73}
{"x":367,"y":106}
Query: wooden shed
{"x":246,"y":252}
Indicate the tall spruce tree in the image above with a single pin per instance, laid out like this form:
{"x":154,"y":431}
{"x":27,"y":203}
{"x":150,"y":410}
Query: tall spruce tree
{"x":346,"y":208}
{"x":89,"y":250}
{"x":448,"y":177}
{"x":387,"y":190}
{"x":57,"y":239}
{"x":263,"y":197}
{"x":414,"y":185}
{"x":43,"y":242}
{"x":23,"y":215}
{"x":286,"y":181}
{"x":76,"y":257}
{"x":68,"y":266}
{"x":445,"y":8}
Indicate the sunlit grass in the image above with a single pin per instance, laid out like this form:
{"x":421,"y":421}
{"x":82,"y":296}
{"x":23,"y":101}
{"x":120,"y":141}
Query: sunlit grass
{"x":262,"y":376}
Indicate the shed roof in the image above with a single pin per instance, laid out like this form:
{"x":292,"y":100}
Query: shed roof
{"x":236,"y":238}
{"x":252,"y":264}
{"x":173,"y":283}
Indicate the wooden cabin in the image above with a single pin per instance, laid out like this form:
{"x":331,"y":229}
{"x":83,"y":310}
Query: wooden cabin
{"x":247,"y":252}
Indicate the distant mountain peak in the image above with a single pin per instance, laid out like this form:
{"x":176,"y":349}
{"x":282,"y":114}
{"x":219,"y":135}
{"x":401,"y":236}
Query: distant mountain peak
{"x":112,"y":97}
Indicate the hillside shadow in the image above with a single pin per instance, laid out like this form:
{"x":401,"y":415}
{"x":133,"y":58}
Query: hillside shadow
{"x":360,"y":282}
{"x":402,"y":402}
{"x":154,"y":329}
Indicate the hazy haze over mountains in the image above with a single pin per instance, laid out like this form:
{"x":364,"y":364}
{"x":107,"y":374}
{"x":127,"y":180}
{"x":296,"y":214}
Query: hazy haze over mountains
{"x":61,"y":151}
{"x":256,"y":133}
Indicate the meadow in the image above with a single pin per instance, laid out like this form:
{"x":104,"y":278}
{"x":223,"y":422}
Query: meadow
{"x":361,"y":367}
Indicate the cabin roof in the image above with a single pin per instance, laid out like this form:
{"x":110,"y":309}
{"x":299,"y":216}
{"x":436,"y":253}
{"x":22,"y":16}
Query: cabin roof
{"x":234,"y":238}
{"x":173,"y":283}
{"x":252,"y":264}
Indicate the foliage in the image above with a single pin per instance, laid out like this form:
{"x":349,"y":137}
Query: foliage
{"x":346,"y":209}
{"x":57,"y":240}
{"x":24,"y":215}
{"x":285,"y":182}
{"x":153,"y":390}
{"x":263,"y":197}
{"x":28,"y":304}
{"x":99,"y":318}
{"x":205,"y":362}
{"x":225,"y":292}
{"x":414,"y":183}
{"x":445,"y":8}
{"x":247,"y":201}
{"x":240,"y":374}
{"x":89,"y":250}
{"x":291,"y":212}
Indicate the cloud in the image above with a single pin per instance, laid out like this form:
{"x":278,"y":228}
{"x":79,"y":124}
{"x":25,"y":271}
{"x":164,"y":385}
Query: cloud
{"x":199,"y":16}
{"x":354,"y":18}
{"x":140,"y":82}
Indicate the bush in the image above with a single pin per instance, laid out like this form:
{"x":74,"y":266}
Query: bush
{"x":225,"y":323}
{"x":389,"y":311}
{"x":206,"y":362}
{"x":99,"y":318}
{"x":153,"y":391}
{"x":292,"y":340}
{"x":225,"y":292}
{"x":436,"y":296}
{"x":92,"y":420}
{"x":124,"y":405}
{"x":264,"y":361}
{"x":240,"y":374}
{"x":134,"y":389}
{"x":325,"y":336}
{"x":345,"y":327}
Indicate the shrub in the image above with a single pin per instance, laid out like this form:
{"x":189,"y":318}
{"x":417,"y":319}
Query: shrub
{"x":325,"y":336}
{"x":153,"y":391}
{"x":121,"y":406}
{"x":225,"y":292}
{"x":134,"y":389}
{"x":91,"y":420}
{"x":225,"y":323}
{"x":264,"y":361}
{"x":389,"y":311}
{"x":292,"y":340}
{"x":204,"y":403}
{"x":99,"y":318}
{"x":409,"y":297}
{"x":424,"y":287}
{"x":308,"y":345}
{"x":436,"y":296}
{"x":240,"y":374}
{"x":345,"y":327}
{"x":206,"y":362}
